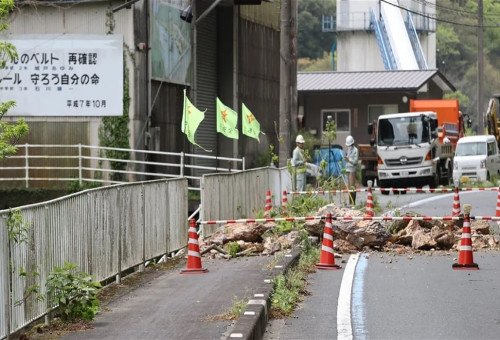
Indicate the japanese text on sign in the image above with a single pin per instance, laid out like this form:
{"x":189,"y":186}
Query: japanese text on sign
{"x":68,"y":75}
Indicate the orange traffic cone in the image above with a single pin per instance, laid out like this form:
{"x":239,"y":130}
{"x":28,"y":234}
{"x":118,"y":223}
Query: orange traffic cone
{"x":327,"y":259}
{"x":465,"y":257}
{"x":456,"y":203}
{"x":369,"y":202}
{"x":285,"y":203}
{"x":498,"y":204}
{"x":194,"y":256}
{"x":268,"y":205}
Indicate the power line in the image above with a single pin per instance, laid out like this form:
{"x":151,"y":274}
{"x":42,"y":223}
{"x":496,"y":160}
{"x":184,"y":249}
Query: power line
{"x":435,"y":5}
{"x":436,"y":19}
{"x":452,"y":9}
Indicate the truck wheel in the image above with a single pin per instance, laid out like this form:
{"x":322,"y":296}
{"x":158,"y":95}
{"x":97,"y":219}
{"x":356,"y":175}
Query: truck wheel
{"x":435,"y":179}
{"x":384,"y":184}
{"x":364,"y":179}
{"x":449,"y":177}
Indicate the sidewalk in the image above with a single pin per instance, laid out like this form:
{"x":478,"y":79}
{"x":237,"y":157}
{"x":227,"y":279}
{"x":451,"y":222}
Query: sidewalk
{"x":182,"y":306}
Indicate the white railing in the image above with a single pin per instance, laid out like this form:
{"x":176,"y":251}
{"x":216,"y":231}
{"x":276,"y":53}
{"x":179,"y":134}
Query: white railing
{"x":89,"y":164}
{"x":104,"y":231}
{"x":242,"y":194}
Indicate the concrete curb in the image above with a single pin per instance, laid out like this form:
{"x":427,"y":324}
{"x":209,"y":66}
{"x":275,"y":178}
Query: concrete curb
{"x":251,"y":325}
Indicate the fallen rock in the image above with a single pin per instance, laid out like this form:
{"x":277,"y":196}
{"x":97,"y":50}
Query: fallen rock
{"x":248,"y":232}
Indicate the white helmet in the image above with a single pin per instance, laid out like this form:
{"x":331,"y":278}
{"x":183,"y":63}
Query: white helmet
{"x":349,"y":141}
{"x":299,"y":139}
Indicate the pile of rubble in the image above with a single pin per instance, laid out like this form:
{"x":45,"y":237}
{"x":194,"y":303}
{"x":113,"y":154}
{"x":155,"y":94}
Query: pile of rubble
{"x":351,"y":236}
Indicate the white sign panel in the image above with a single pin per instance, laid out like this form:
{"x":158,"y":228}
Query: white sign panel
{"x":65,"y":75}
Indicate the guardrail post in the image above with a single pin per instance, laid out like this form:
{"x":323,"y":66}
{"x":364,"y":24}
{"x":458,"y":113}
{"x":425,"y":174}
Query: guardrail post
{"x":182,"y":164}
{"x":118,"y":276}
{"x":243,"y":163}
{"x":80,"y":163}
{"x":26,"y":162}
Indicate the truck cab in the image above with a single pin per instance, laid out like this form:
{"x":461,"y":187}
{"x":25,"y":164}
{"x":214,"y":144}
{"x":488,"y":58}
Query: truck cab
{"x":409,"y":152}
{"x":476,"y":159}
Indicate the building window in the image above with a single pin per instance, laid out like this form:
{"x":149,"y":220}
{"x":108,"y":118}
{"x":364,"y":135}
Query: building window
{"x":374,"y":111}
{"x":341,"y":119}
{"x":328,"y":23}
{"x":491,"y":148}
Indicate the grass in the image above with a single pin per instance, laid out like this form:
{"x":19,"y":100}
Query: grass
{"x":290,"y":288}
{"x":233,"y":313}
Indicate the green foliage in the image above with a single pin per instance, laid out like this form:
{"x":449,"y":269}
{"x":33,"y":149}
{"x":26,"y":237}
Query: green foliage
{"x":233,"y":248}
{"x":283,"y":227}
{"x":237,"y":309}
{"x":313,"y":65}
{"x":74,"y":292}
{"x":312,"y":42}
{"x":287,"y":289}
{"x":18,"y":231}
{"x":194,"y":195}
{"x":5,"y":7}
{"x":16,"y":197}
{"x":32,"y":291}
{"x":266,"y":158}
{"x":331,"y":131}
{"x":10,"y":133}
{"x":456,"y":43}
{"x":16,"y":226}
{"x":302,"y":205}
{"x":284,"y":296}
{"x":114,"y":132}
{"x":75,"y":186}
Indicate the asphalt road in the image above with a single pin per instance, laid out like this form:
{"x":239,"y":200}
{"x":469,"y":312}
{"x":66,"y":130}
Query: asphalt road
{"x":411,"y":296}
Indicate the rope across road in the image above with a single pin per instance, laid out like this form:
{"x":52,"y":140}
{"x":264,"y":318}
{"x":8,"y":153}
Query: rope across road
{"x":352,"y":218}
{"x":426,"y":190}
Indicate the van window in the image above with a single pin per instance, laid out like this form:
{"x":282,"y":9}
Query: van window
{"x":471,"y":149}
{"x":491,"y":148}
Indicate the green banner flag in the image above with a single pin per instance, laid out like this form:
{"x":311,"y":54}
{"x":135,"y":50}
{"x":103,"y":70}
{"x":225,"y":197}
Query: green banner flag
{"x":191,"y":119}
{"x":227,"y":120}
{"x":249,"y":125}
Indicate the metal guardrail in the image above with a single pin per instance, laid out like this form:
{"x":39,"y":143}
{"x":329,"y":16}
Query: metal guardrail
{"x":104,"y":231}
{"x":85,"y":163}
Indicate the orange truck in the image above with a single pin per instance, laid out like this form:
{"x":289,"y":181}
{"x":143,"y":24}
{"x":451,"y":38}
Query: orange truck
{"x":450,"y":119}
{"x":450,"y":128}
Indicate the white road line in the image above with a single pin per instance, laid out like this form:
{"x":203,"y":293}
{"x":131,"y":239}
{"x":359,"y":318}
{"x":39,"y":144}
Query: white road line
{"x":344,"y":325}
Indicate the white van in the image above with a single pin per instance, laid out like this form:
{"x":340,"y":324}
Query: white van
{"x":476,"y":159}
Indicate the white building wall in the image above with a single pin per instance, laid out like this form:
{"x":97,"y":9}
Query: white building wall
{"x":358,"y":51}
{"x":82,"y":18}
{"x":428,"y":42}
{"x":357,"y":46}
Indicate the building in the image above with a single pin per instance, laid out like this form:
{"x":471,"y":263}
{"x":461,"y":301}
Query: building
{"x":376,"y":35}
{"x":225,"y":50}
{"x":354,"y":99}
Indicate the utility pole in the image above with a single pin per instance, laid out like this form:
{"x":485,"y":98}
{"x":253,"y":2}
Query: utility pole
{"x":480,"y":69}
{"x":284,"y":106}
{"x":288,"y":78}
{"x":293,"y":66}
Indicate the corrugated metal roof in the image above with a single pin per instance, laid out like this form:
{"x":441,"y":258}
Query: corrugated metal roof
{"x":370,"y":80}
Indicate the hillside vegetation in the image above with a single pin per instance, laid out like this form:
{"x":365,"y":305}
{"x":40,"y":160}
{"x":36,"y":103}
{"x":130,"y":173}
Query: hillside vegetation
{"x":456,"y":46}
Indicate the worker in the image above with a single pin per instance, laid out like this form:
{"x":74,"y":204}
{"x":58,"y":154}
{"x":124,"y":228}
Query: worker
{"x":351,"y":159}
{"x":299,"y":163}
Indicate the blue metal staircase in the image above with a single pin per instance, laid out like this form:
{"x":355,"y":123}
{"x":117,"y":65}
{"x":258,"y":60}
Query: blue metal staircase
{"x":383,"y":42}
{"x":415,"y":42}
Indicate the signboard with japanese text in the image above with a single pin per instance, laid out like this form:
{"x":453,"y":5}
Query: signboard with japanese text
{"x":64,"y":75}
{"x":170,"y":42}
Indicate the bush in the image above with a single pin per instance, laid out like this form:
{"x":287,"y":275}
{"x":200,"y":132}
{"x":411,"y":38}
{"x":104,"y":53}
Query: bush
{"x":74,"y":292}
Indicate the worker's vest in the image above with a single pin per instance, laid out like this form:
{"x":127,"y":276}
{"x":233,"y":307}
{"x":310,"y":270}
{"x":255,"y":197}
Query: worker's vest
{"x":301,"y":169}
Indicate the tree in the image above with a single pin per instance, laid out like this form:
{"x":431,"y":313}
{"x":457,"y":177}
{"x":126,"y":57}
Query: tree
{"x":9,"y":133}
{"x":311,"y":40}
